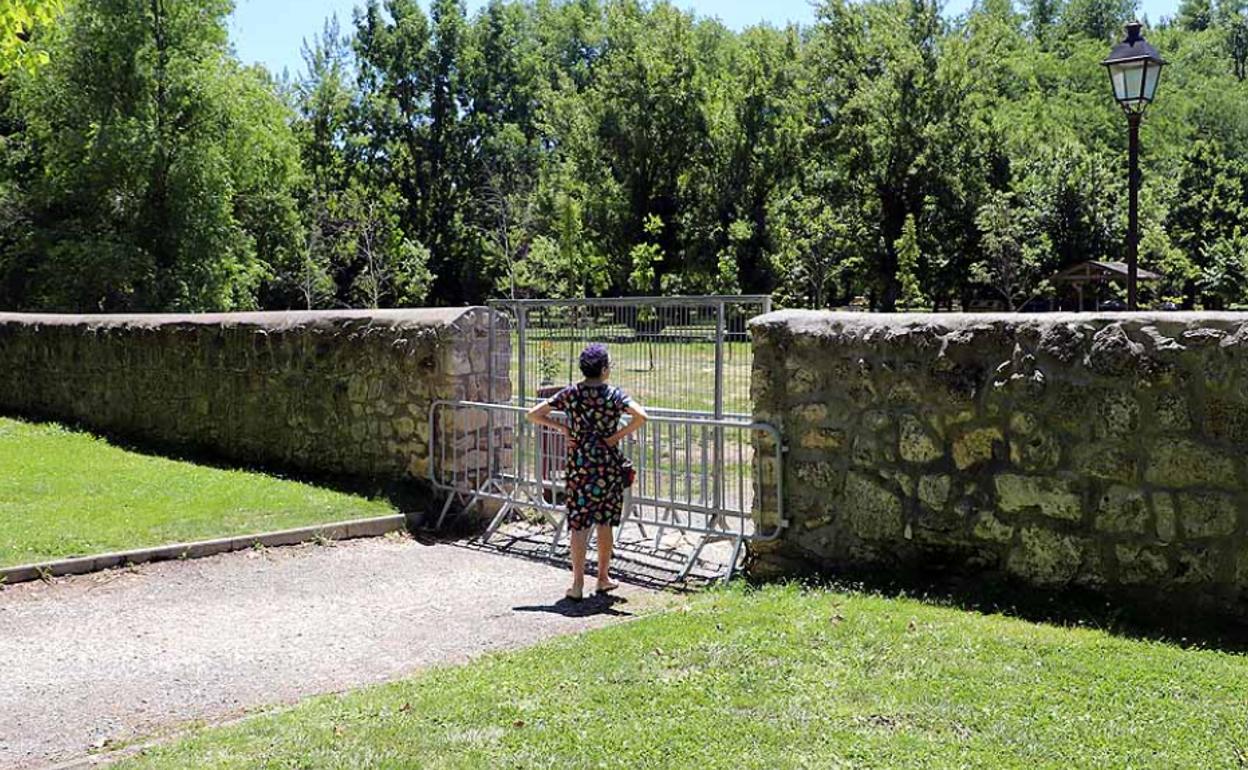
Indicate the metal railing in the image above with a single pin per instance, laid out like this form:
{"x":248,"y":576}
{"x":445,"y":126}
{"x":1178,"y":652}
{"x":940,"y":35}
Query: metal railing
{"x":712,"y":479}
{"x":677,"y":355}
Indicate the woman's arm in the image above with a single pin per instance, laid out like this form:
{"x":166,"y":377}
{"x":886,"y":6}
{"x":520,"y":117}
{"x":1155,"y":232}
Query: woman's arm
{"x":540,"y":415}
{"x":639,"y":416}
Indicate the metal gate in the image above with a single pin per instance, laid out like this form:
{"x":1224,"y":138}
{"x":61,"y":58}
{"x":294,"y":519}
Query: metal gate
{"x":705,"y":470}
{"x":676,"y":355}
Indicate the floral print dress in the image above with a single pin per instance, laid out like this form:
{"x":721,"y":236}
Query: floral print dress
{"x":595,"y":479}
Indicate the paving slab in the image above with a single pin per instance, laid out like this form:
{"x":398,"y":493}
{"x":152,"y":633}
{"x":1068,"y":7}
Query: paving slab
{"x":100,"y":660}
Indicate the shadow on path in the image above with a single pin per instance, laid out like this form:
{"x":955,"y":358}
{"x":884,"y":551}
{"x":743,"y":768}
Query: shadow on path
{"x":633,"y":563}
{"x":587,"y":607}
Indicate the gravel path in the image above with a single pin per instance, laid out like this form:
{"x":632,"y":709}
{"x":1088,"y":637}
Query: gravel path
{"x":101,"y":659}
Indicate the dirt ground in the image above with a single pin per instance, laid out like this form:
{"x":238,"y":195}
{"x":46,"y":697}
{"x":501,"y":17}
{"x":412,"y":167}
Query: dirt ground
{"x":98,"y":661}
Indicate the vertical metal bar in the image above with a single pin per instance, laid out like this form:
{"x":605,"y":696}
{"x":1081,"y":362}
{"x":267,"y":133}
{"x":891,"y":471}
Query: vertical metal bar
{"x":521,"y":457}
{"x":572,"y":339}
{"x":489,"y":446}
{"x":643,"y":481}
{"x":438,"y":433}
{"x":706,"y":484}
{"x":491,"y":364}
{"x":457,"y":451}
{"x":741,"y":469}
{"x":539,"y":463}
{"x":658,"y":465}
{"x":671,"y":444}
{"x":780,"y":522}
{"x":493,"y":471}
{"x":522,"y":334}
{"x":719,"y":406}
{"x":688,"y":462}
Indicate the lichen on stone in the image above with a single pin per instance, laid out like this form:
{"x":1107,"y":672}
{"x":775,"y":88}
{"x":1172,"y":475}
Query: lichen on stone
{"x":1055,"y":498}
{"x":916,"y":444}
{"x":975,"y":446}
{"x":1182,"y":462}
{"x":872,"y":511}
{"x":1046,"y":558}
{"x":1123,"y":510}
{"x":1207,"y":514}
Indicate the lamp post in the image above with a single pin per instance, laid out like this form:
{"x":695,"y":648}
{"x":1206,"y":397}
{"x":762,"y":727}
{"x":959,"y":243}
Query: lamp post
{"x":1134,"y":69}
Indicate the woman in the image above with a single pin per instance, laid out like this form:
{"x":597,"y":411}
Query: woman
{"x":595,"y":472}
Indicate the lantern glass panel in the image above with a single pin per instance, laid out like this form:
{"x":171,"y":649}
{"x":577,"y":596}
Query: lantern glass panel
{"x":1151,"y":75}
{"x":1128,"y":81}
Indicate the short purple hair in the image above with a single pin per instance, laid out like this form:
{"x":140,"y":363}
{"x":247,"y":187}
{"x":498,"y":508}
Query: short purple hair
{"x":594,"y":359}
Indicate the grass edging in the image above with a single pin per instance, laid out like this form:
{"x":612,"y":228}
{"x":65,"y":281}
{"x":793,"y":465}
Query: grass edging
{"x":81,"y":565}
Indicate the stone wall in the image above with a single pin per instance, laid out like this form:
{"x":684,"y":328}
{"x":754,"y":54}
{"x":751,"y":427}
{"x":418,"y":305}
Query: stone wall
{"x":1103,"y":451}
{"x":337,"y":392}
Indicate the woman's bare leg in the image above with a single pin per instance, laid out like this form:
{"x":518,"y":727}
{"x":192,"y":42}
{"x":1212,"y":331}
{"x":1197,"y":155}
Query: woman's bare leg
{"x":606,"y":542}
{"x":580,"y":548}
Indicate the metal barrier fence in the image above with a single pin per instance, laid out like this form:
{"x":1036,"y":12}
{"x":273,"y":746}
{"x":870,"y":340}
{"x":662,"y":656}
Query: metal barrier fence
{"x":718,"y":480}
{"x":676,"y":355}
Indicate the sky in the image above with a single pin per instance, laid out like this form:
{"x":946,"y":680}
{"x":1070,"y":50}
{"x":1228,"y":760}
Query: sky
{"x":272,"y":32}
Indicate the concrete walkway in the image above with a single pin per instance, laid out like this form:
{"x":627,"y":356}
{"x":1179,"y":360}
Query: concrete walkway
{"x":92,"y":661}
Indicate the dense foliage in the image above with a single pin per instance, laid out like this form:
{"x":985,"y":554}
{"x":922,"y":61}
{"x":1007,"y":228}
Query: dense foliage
{"x":586,"y":147}
{"x":18,"y":22}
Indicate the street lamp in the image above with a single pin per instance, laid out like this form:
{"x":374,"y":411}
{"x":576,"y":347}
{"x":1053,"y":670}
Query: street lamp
{"x":1134,"y":69}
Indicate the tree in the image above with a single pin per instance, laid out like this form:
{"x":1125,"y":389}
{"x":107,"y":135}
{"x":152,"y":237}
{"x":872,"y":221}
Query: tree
{"x":1042,"y":17}
{"x":816,"y":255}
{"x":19,"y":23}
{"x":1223,"y":276}
{"x":509,"y":205}
{"x":1013,"y":253}
{"x":311,"y":278}
{"x":562,"y":262}
{"x":156,"y":171}
{"x":886,"y":120}
{"x":755,"y":120}
{"x":323,"y":97}
{"x":908,"y":256}
{"x":1100,"y":20}
{"x":1236,"y":37}
{"x":1207,"y":221}
{"x":504,"y":70}
{"x":602,"y":147}
{"x":389,"y":269}
{"x":1195,"y":15}
{"x":645,"y":258}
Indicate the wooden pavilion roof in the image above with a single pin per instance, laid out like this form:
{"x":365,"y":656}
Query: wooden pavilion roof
{"x":1093,"y":271}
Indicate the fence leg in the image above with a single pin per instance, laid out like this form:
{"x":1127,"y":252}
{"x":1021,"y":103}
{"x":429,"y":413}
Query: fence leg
{"x":732,"y":562}
{"x":634,"y":516}
{"x":658,"y":533}
{"x":446,"y":507}
{"x":693,"y":559}
{"x":499,"y":517}
{"x":496,"y":522}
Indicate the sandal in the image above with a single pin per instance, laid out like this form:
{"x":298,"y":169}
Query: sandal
{"x":606,"y":588}
{"x":573,"y":597}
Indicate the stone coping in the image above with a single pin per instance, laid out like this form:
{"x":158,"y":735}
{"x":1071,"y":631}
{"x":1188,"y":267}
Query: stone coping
{"x":272,"y":319}
{"x":831,"y":322}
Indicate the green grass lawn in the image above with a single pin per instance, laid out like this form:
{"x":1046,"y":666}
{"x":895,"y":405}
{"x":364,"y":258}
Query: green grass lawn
{"x":776,"y":678}
{"x":67,"y":493}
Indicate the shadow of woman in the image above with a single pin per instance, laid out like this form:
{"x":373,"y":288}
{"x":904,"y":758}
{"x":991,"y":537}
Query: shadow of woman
{"x":591,"y":605}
